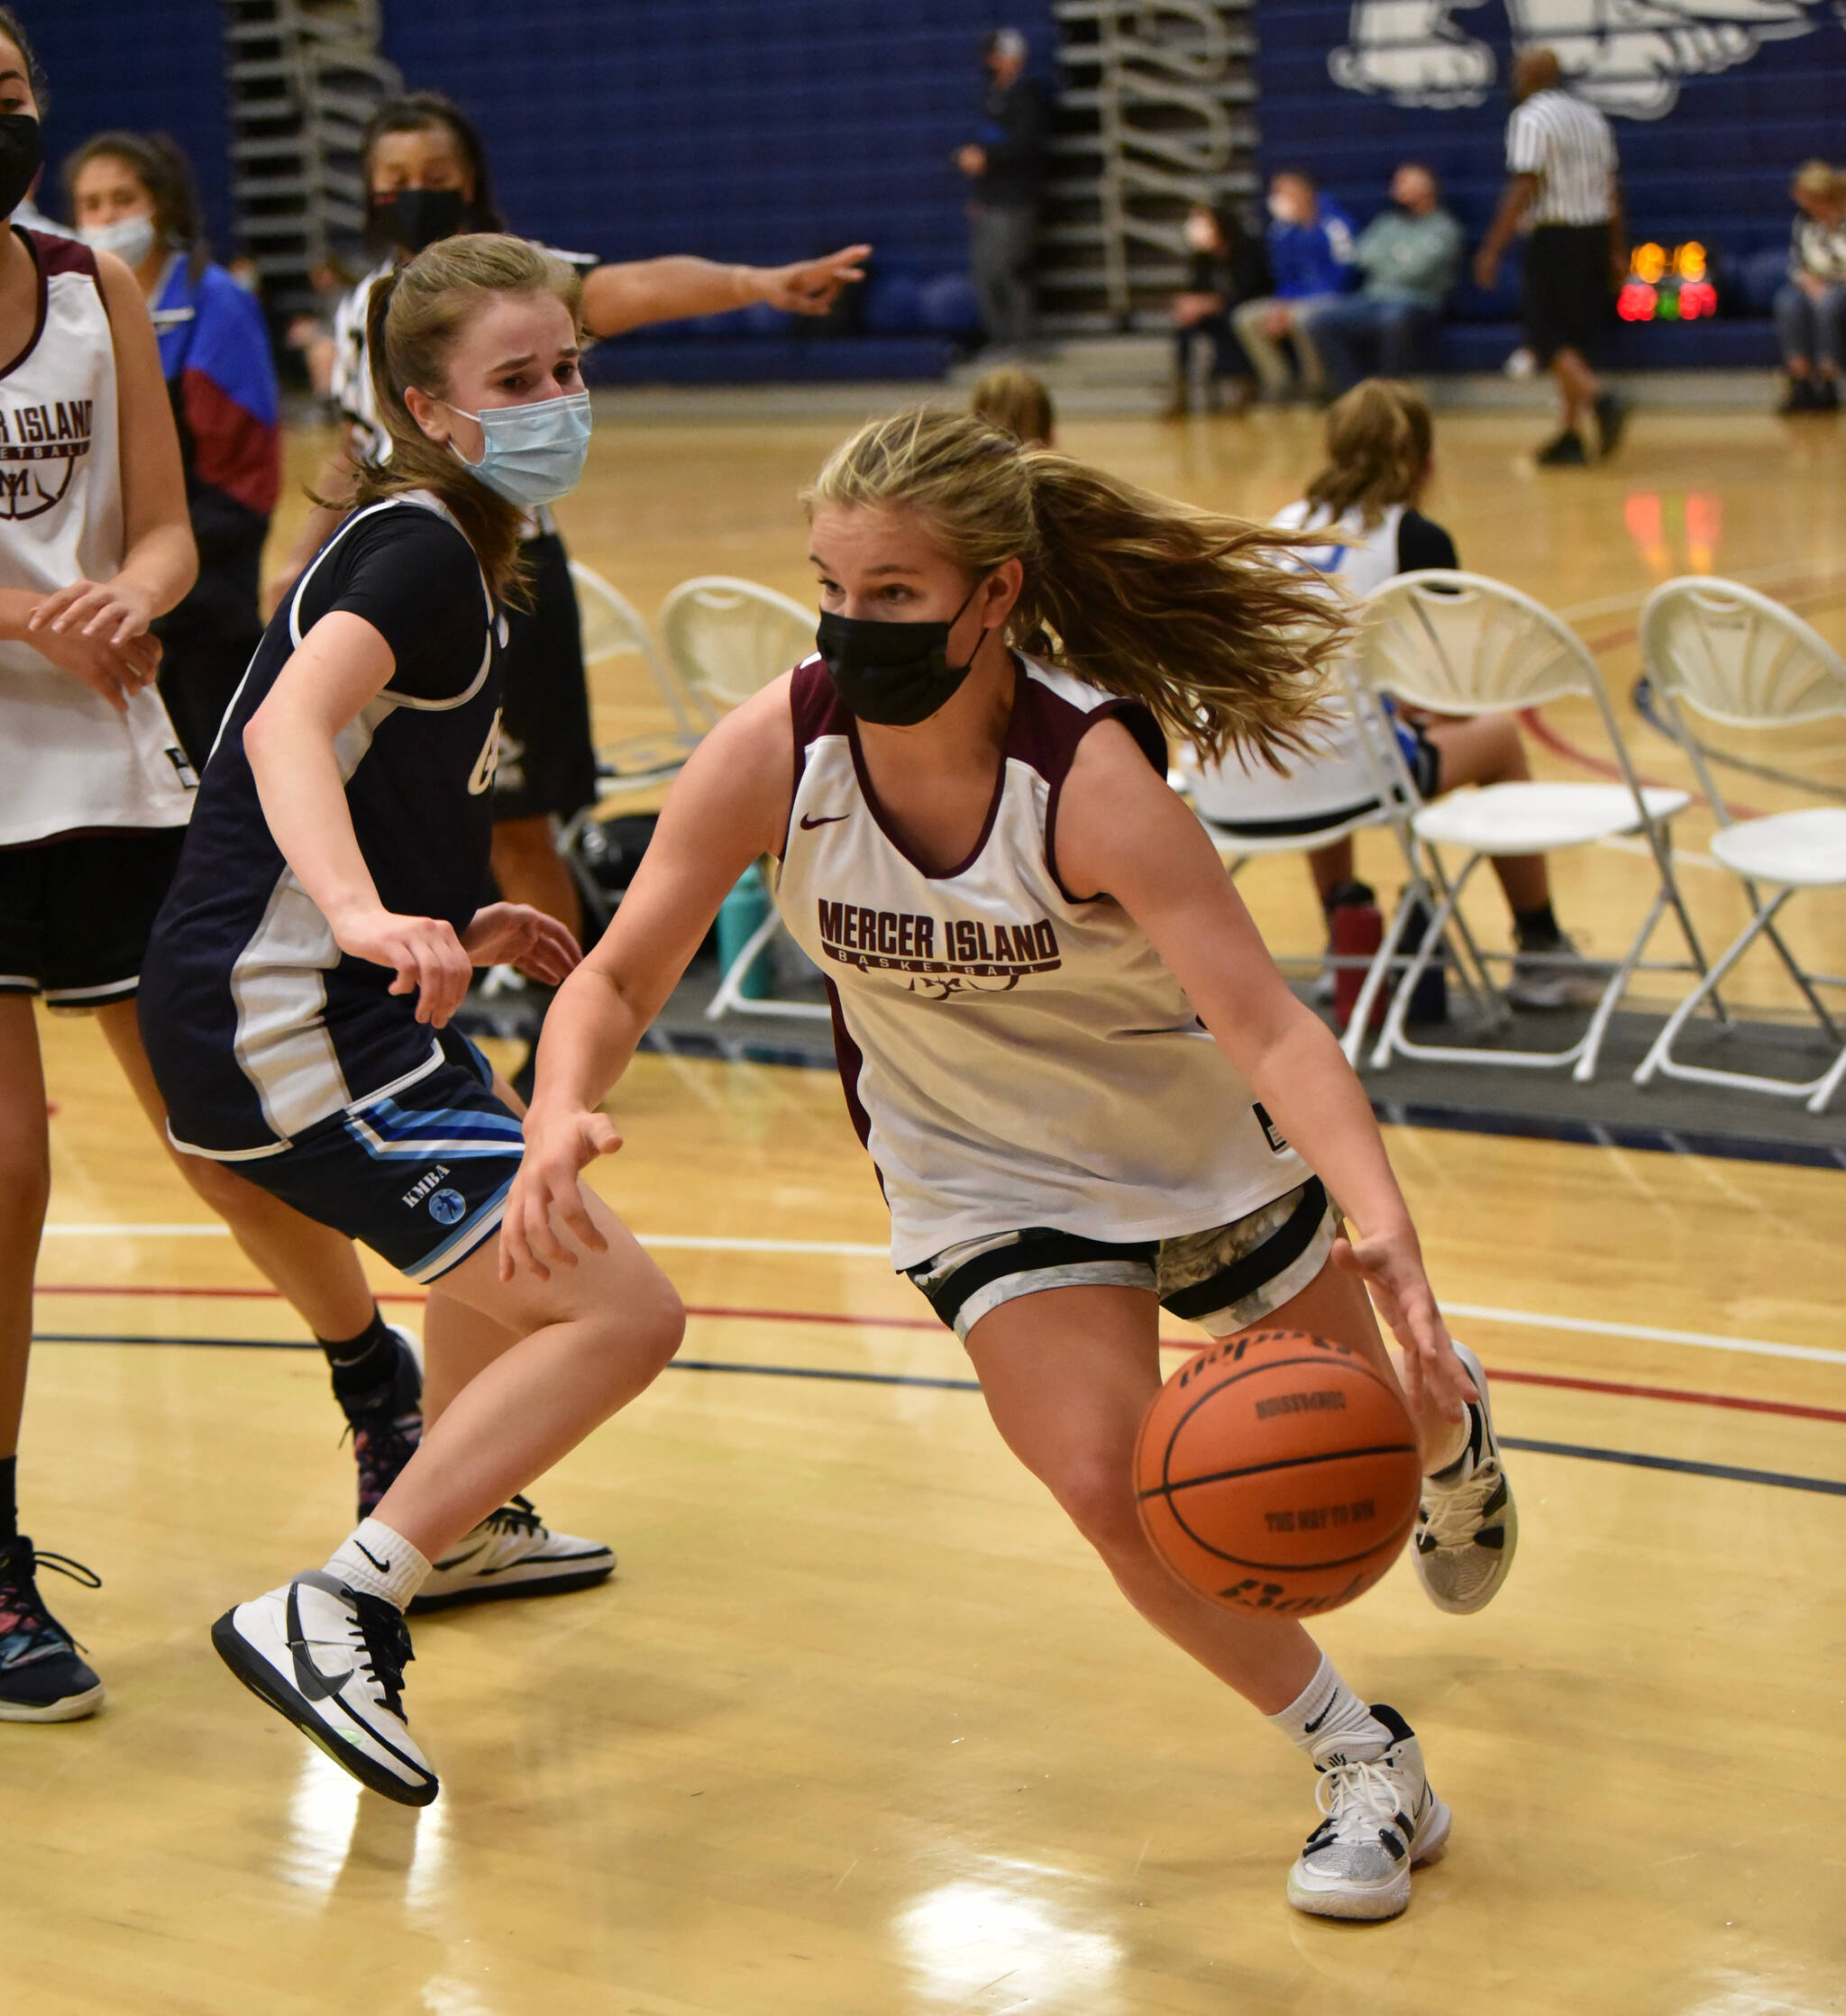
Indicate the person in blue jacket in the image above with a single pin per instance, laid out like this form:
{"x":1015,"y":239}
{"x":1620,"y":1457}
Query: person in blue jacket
{"x":131,"y":194}
{"x":1311,"y":252}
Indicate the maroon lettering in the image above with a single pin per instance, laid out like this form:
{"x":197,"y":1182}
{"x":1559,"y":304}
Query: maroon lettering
{"x":907,"y":935}
{"x":926,"y":938}
{"x":1044,"y":939}
{"x":887,"y":932}
{"x":868,"y":930}
{"x":830,"y":924}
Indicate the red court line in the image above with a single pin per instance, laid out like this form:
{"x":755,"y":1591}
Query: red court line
{"x":1793,"y":1410}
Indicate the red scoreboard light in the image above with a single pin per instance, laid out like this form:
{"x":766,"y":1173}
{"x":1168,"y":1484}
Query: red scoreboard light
{"x":1665,"y":286}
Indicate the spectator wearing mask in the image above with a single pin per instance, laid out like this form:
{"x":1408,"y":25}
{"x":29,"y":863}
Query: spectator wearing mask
{"x":1811,"y":309}
{"x":131,"y":194}
{"x":1311,"y":258}
{"x":1409,"y":254}
{"x":1227,"y":266}
{"x":1006,"y":166}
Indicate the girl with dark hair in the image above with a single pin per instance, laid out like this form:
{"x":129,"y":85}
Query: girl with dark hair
{"x":1084,"y":1086}
{"x":321,"y":932}
{"x":131,"y":194}
{"x":427,"y":177}
{"x":1225,"y":266}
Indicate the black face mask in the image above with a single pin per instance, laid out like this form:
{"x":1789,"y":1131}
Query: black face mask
{"x":896,"y":674}
{"x":414,"y":218}
{"x":22,"y":156}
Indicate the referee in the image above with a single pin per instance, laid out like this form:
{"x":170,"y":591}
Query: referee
{"x":1560,"y":157}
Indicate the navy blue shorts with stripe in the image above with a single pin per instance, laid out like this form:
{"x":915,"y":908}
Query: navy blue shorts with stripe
{"x":420,"y":1177}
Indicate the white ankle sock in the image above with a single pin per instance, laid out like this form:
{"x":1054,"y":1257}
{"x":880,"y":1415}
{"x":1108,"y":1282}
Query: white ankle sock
{"x":376,"y":1561}
{"x":1327,"y":1716}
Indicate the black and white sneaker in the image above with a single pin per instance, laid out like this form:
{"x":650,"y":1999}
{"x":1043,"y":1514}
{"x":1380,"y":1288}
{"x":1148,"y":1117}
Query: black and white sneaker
{"x":1382,"y":1820}
{"x":387,"y":1423}
{"x":1557,"y":976}
{"x":513,"y":1553}
{"x":1467,"y":1524}
{"x":43,"y":1679}
{"x":330,"y":1660}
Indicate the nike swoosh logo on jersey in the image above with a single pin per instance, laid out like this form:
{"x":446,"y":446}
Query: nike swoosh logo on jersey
{"x":313,"y":1685}
{"x":809,"y":822}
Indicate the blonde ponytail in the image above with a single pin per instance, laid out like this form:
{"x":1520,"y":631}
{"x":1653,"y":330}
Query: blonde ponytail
{"x":1201,"y":618}
{"x":1379,"y":441}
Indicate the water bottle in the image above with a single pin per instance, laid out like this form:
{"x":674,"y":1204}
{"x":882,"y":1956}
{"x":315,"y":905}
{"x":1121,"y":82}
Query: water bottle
{"x":739,"y":915}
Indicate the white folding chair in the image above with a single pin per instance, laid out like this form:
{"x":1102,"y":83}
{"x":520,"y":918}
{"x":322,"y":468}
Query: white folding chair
{"x":1392,"y":801}
{"x":728,"y":639}
{"x":1744,"y":661}
{"x":1463,"y":644}
{"x":612,"y":628}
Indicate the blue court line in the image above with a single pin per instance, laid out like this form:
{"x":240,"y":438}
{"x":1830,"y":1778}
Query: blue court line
{"x":1779,"y":1480}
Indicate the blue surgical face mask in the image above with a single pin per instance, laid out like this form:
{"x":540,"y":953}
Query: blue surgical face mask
{"x":131,"y":239}
{"x":531,"y":454}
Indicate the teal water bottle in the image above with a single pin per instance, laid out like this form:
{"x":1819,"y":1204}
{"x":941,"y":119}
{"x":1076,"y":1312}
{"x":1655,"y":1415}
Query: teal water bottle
{"x":738,"y":916}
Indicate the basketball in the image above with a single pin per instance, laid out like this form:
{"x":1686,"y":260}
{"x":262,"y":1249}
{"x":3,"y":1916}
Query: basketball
{"x":1277,"y":1472}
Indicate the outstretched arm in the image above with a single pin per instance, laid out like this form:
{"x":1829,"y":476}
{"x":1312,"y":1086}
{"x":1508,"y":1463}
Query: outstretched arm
{"x":728,"y":808}
{"x":1121,"y":830}
{"x":646,"y":290}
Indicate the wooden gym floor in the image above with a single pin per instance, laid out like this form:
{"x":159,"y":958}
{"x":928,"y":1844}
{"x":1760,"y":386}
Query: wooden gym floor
{"x":861,"y":1729}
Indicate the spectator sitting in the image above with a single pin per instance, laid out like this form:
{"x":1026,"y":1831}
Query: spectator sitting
{"x":1409,"y":254}
{"x":1380,"y":456}
{"x":1013,"y":400}
{"x":1227,"y":266}
{"x":1311,"y":251}
{"x":1811,"y":309}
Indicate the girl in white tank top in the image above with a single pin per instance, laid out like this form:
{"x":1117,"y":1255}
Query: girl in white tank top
{"x":1084,"y":1086}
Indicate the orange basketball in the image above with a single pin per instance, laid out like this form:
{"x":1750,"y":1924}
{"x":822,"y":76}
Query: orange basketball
{"x":1277,"y":1472}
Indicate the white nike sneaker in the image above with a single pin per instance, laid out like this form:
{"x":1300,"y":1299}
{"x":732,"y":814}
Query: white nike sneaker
{"x":1382,"y":1820}
{"x":1467,"y":1524}
{"x":332,"y":1661}
{"x":512,"y":1553}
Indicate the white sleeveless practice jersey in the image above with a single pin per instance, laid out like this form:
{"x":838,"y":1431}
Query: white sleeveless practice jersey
{"x":69,"y":763}
{"x":1337,"y":780}
{"x":1013,"y":1055}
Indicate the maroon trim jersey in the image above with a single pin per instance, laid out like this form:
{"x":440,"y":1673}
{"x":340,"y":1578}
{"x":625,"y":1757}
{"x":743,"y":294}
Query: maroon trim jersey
{"x":68,"y":761}
{"x":1014,"y":1051}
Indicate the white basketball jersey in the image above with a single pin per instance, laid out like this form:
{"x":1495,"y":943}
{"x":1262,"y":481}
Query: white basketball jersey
{"x":69,"y":763}
{"x":1336,"y":779}
{"x":1013,"y":1055}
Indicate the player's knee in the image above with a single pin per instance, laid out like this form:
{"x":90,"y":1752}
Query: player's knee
{"x":1096,"y":1492}
{"x":25,"y":1191}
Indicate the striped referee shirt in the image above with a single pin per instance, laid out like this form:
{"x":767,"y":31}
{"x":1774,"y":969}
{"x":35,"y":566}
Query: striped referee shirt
{"x":1569,"y":146}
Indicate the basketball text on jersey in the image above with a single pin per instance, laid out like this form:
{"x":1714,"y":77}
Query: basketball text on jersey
{"x":971,"y":950}
{"x":40,"y":447}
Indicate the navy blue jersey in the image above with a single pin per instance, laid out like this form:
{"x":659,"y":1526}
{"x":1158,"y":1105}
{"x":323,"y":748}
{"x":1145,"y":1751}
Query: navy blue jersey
{"x":257,"y":1023}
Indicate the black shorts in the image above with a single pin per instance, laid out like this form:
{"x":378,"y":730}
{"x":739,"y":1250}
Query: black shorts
{"x":547,"y":756}
{"x":421,"y":1177}
{"x":1567,"y":291}
{"x":76,"y":913}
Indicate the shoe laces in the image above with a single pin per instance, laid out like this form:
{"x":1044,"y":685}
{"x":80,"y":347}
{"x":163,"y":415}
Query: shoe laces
{"x":18,"y":1566}
{"x":517,"y":1515}
{"x":384,"y":1648}
{"x":1358,"y":1798}
{"x":1454,"y":1511}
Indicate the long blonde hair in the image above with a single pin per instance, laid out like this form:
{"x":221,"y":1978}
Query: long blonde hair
{"x":1379,"y":441}
{"x":1199,"y":617}
{"x":412,"y":321}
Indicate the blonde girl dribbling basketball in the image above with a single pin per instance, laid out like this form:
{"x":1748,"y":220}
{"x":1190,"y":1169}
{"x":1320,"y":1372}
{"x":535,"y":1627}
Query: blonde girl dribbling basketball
{"x":319,"y":934}
{"x":1084,"y":1086}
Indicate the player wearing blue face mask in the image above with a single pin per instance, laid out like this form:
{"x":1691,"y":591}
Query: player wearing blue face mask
{"x":321,"y":931}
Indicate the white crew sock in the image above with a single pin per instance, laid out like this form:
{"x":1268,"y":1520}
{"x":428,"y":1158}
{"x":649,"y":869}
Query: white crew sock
{"x":1327,"y":1718}
{"x":377,"y":1561}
